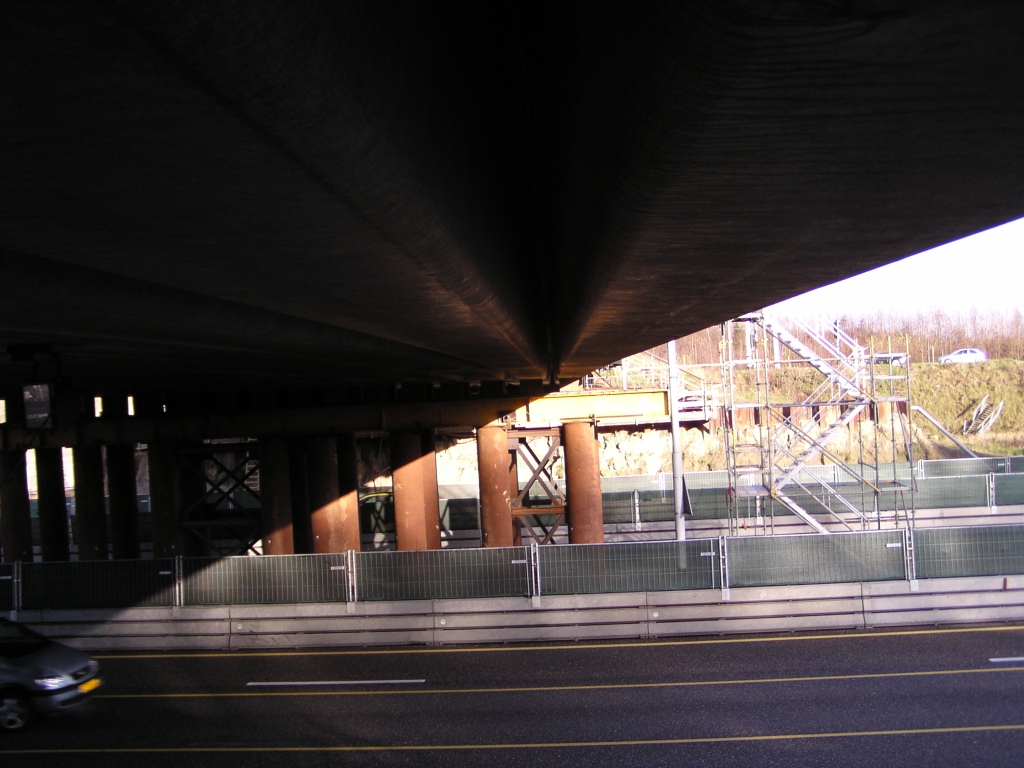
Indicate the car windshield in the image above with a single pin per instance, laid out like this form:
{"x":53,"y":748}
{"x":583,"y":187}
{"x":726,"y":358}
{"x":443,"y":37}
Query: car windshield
{"x":16,"y":640}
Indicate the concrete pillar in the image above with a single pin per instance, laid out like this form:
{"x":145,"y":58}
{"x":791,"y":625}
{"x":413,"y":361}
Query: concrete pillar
{"x":408,"y":479}
{"x":276,"y":497}
{"x":495,"y":508}
{"x":585,"y":515}
{"x":15,"y":515}
{"x":90,"y":504}
{"x":334,"y":519}
{"x":53,"y":509}
{"x":124,"y":504}
{"x":191,"y":487}
{"x":431,"y":500}
{"x":165,"y":500}
{"x":302,"y":525}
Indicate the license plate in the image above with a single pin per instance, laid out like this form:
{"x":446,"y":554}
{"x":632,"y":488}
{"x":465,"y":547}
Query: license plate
{"x":89,"y":685}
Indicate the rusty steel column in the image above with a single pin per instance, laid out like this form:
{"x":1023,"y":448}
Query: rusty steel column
{"x":495,"y":505}
{"x":302,"y":531}
{"x":585,"y":516}
{"x":276,"y":497}
{"x":327,"y":516}
{"x":165,"y":500}
{"x":90,"y":503}
{"x":124,"y":503}
{"x":53,"y":505}
{"x":348,"y":529}
{"x":407,"y":481}
{"x":15,"y":514}
{"x":431,"y":499}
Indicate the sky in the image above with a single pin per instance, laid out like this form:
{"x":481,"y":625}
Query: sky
{"x":984,"y":271}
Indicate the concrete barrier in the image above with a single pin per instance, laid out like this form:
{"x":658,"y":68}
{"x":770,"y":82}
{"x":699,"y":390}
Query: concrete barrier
{"x":564,"y":617}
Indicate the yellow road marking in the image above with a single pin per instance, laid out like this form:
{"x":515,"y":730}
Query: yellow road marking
{"x":525,"y":745}
{"x":569,"y":645}
{"x":556,"y":688}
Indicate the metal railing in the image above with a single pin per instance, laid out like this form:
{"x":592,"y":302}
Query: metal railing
{"x":720,"y":563}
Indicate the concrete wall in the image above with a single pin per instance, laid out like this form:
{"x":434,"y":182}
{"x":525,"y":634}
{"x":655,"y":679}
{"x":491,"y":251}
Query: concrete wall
{"x":639,"y":615}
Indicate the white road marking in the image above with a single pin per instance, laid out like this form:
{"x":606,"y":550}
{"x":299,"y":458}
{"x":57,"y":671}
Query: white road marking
{"x":1006,"y":660}
{"x":340,"y":682}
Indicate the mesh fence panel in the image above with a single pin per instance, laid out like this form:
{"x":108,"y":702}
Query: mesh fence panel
{"x":942,"y":492}
{"x":964,"y":467}
{"x":983,"y":551}
{"x":632,"y":567}
{"x":267,"y":579}
{"x":765,"y":561}
{"x":443,"y":573}
{"x":1009,"y":489}
{"x":6,"y":587}
{"x":97,"y":584}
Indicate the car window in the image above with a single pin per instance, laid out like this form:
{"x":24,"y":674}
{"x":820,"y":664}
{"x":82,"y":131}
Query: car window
{"x":16,"y":640}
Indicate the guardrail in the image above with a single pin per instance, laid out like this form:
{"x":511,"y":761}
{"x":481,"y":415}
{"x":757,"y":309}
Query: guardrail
{"x":350,"y":577}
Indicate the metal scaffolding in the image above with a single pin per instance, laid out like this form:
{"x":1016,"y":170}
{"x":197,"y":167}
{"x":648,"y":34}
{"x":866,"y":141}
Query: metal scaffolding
{"x":778,"y":447}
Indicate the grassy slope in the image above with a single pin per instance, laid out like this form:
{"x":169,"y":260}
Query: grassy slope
{"x":951,"y":392}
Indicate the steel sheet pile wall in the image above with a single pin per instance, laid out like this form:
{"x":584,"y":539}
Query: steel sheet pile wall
{"x":97,"y":584}
{"x":7,"y":587}
{"x":765,"y":561}
{"x":267,"y":579}
{"x":632,"y":567}
{"x":439,"y":574}
{"x":988,"y":551}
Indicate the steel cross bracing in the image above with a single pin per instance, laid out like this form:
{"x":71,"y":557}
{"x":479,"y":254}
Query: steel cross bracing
{"x":220,"y":518}
{"x":526,"y":511}
{"x":774,"y":458}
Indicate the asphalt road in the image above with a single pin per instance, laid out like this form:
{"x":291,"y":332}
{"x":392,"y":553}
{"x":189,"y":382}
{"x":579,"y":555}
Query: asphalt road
{"x":912,"y":698}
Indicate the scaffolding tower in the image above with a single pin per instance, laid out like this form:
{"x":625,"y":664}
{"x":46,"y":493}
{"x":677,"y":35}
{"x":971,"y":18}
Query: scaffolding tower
{"x":778,"y":448}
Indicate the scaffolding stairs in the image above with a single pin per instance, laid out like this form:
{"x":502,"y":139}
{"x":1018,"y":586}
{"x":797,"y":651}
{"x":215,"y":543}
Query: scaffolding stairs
{"x":984,"y":416}
{"x":848,"y":385}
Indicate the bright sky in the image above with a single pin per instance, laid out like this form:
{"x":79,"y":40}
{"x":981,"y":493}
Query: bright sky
{"x":984,"y":271}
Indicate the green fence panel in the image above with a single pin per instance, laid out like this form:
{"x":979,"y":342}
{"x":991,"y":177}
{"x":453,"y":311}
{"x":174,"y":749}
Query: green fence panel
{"x":763,"y":561}
{"x":1009,"y":490}
{"x":948,"y":492}
{"x":443,"y":573}
{"x":97,"y":584}
{"x":964,"y":467}
{"x":264,"y":580}
{"x":630,"y":567}
{"x":7,"y":587}
{"x":983,"y":551}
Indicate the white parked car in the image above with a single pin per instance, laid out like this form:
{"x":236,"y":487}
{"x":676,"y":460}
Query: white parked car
{"x":965,"y":356}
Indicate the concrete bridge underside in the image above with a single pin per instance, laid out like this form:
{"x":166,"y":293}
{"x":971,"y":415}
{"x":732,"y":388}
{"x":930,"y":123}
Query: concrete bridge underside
{"x":243,"y":206}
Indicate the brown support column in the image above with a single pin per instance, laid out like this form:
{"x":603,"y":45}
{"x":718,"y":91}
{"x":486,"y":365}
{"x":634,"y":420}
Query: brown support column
{"x":407,"y":480}
{"x":298,"y":474}
{"x":431,"y":501}
{"x":347,"y":532}
{"x":15,"y":514}
{"x":495,"y":507}
{"x":90,"y":504}
{"x":276,"y":497}
{"x":513,"y":494}
{"x":124,"y":504}
{"x":335,"y":516}
{"x":191,"y":487}
{"x":165,"y":500}
{"x":585,"y":515}
{"x":53,"y":509}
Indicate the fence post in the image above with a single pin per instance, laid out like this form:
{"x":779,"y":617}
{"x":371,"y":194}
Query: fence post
{"x":991,"y":492}
{"x":723,"y":566}
{"x":908,"y":556}
{"x":178,"y":593}
{"x":16,"y":586}
{"x":351,"y":595}
{"x":534,"y":572}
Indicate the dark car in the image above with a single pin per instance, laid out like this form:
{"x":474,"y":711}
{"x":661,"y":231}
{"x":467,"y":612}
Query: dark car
{"x":39,"y":676}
